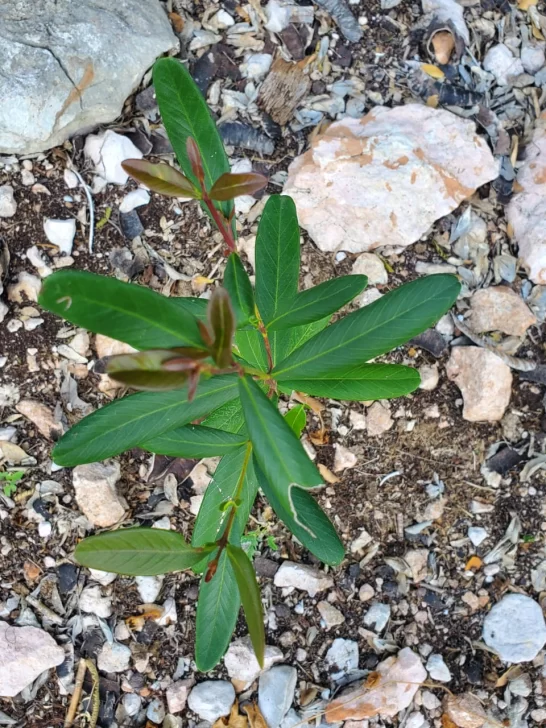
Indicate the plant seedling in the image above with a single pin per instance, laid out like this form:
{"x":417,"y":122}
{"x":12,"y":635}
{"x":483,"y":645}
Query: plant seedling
{"x":225,"y":363}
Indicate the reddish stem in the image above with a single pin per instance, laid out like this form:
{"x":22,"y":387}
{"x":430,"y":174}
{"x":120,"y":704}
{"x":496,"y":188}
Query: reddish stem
{"x":221,"y":223}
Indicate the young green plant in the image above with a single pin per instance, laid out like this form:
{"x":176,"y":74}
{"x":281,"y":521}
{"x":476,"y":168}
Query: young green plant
{"x":213,"y":373}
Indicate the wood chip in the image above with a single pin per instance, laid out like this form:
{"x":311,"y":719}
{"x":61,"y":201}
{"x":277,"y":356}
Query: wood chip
{"x":283,"y":89}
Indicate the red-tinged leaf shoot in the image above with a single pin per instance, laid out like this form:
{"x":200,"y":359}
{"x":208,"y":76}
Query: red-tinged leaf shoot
{"x":195,"y":159}
{"x":193,"y":381}
{"x":222,"y":324}
{"x":205,"y":333}
{"x":211,"y":570}
{"x":231,"y":185}
{"x":151,"y":370}
{"x":161,"y":178}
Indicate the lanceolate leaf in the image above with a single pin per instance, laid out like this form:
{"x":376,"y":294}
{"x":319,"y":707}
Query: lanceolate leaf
{"x":311,"y":519}
{"x":185,"y":114}
{"x":194,"y":441}
{"x":277,"y":449}
{"x":124,"y":311}
{"x":213,"y":514}
{"x":250,"y":597}
{"x":161,"y":178}
{"x":277,"y":256}
{"x":222,"y":325}
{"x":230,"y":185}
{"x":318,"y":302}
{"x":237,"y":284}
{"x":217,"y":612}
{"x":373,"y":330}
{"x":296,"y":418}
{"x":127,"y":422}
{"x":362,"y":383}
{"x":138,"y":552}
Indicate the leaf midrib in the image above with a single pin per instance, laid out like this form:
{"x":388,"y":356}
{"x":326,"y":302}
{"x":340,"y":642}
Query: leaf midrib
{"x":135,"y":315}
{"x":161,"y":409}
{"x":347,"y":342}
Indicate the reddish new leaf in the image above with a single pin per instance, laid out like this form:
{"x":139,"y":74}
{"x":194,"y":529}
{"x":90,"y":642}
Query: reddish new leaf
{"x":230,"y":185}
{"x":161,"y":178}
{"x":222,"y":324}
{"x":194,"y":157}
{"x":147,"y":370}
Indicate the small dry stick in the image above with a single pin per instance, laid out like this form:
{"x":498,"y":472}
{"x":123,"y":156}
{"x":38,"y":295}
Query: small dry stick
{"x":76,"y":695}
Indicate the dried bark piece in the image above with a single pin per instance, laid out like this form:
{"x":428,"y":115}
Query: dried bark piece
{"x":283,"y":89}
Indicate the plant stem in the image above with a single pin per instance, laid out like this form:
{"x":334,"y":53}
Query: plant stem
{"x":221,"y":223}
{"x":223,"y":541}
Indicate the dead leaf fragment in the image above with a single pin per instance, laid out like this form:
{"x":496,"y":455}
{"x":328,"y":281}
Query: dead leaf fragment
{"x":526,"y":4}
{"x":473,"y":564}
{"x":510,"y":674}
{"x":327,"y":474}
{"x":233,"y":720}
{"x":177,"y":22}
{"x":433,"y":71}
{"x":443,"y":44}
{"x":255,"y":717}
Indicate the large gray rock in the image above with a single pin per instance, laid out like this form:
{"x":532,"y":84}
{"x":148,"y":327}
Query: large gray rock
{"x":25,"y":652}
{"x":69,"y":66}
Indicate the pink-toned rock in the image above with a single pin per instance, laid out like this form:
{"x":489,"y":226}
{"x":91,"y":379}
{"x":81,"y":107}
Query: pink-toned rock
{"x":96,"y":493}
{"x":387,"y":177}
{"x":42,"y":417}
{"x":527,"y":209}
{"x":500,"y":309}
{"x":392,"y":689}
{"x":25,"y":652}
{"x":465,"y":710}
{"x":484,"y":380}
{"x":105,"y":346}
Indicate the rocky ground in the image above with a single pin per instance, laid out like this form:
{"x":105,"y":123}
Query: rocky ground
{"x":437,"y":613}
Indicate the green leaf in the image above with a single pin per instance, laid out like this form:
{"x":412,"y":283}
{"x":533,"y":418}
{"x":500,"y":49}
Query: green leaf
{"x":223,"y":487}
{"x":161,"y":178}
{"x":124,"y":311}
{"x":318,"y":302}
{"x":311,"y":526}
{"x":195,"y":306}
{"x":217,"y":612}
{"x":250,"y":344}
{"x":185,"y":114}
{"x":127,"y":422}
{"x":374,"y":330}
{"x":230,"y":185}
{"x":278,"y":451}
{"x":229,"y":417}
{"x":194,"y":441}
{"x":250,"y":597}
{"x":222,"y":324}
{"x":361,"y":383}
{"x":277,"y":256}
{"x":138,"y":552}
{"x":238,"y":285}
{"x":285,"y":342}
{"x":296,"y":419}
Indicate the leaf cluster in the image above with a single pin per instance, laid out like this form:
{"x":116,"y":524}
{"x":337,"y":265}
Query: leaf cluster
{"x":224,"y":363}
